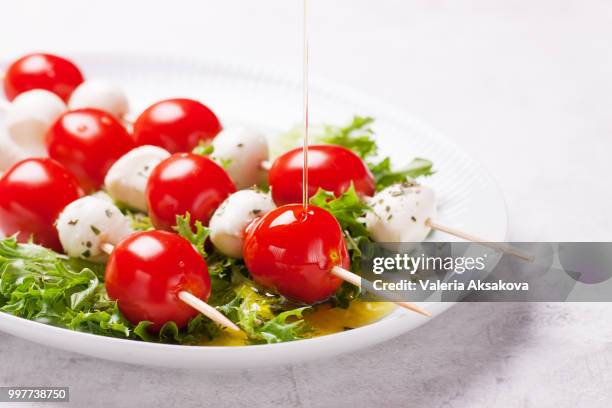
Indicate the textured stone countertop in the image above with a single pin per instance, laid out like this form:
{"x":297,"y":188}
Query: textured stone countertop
{"x":524,"y":86}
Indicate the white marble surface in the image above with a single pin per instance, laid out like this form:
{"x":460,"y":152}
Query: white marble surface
{"x":526,"y":86}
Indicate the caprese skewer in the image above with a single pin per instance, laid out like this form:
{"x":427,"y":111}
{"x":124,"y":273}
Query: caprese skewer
{"x":406,"y":212}
{"x":158,"y":276}
{"x":300,"y":253}
{"x":401,"y":212}
{"x":309,"y":269}
{"x":155,"y":276}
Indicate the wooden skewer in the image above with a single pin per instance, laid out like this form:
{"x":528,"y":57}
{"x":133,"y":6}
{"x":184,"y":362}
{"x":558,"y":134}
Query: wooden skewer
{"x":107,"y":248}
{"x":507,"y":249}
{"x":207,"y":310}
{"x":356,"y":280}
{"x":193,"y":301}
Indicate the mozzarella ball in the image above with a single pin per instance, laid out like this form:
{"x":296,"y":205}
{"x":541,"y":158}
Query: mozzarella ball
{"x":102,"y":195}
{"x":229,"y":221}
{"x":241,"y":152}
{"x":87,"y":223}
{"x":102,"y":95}
{"x":399,"y":213}
{"x":126,"y":181}
{"x":29,"y":117}
{"x":10,"y":153}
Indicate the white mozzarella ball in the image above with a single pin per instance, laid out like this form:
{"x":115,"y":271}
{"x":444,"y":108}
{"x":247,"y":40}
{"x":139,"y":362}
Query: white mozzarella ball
{"x":126,"y":181}
{"x":229,"y":221}
{"x":29,"y":117}
{"x":10,"y":153}
{"x":102,"y":195}
{"x":400,"y":213}
{"x":99,"y":94}
{"x":241,"y":152}
{"x":87,"y":223}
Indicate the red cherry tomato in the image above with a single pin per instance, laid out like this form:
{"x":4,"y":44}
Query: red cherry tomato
{"x":177,"y":125}
{"x":293,"y":251}
{"x":42,"y":71}
{"x":146,"y":272}
{"x":330,"y":167}
{"x":32,"y":194}
{"x":186,"y":182}
{"x":88,"y":142}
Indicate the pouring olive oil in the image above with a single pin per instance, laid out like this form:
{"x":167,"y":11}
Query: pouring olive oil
{"x":324,"y":318}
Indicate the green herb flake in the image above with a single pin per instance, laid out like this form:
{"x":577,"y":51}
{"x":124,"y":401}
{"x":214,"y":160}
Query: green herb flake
{"x":203,"y":149}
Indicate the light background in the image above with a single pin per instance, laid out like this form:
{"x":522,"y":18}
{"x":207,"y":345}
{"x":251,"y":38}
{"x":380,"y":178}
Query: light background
{"x":524,"y":86}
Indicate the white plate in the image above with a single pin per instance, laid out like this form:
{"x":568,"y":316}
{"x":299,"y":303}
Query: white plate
{"x":469,"y":199}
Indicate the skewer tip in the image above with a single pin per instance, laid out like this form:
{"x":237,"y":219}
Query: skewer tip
{"x":505,"y":248}
{"x":413,"y":308}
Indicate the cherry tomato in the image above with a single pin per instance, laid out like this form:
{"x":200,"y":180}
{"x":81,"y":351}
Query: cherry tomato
{"x":293,"y":251}
{"x":177,"y":125}
{"x":42,"y":71}
{"x":146,"y":272}
{"x":32,"y":194}
{"x":186,"y":182}
{"x":88,"y":142}
{"x":330,"y":167}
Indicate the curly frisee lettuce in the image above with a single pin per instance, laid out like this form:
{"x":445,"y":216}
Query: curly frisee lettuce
{"x":358,"y":136}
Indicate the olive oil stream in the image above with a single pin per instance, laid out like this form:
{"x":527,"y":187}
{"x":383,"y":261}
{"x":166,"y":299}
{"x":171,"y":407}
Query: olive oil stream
{"x":324,"y":318}
{"x":306,"y":85}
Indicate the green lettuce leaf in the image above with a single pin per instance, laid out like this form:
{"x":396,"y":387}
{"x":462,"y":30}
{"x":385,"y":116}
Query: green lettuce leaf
{"x":265,"y":317}
{"x":198,"y":238}
{"x":39,"y":284}
{"x":139,"y":221}
{"x":348,"y":209}
{"x":359,"y":137}
{"x":203,"y":148}
{"x":386,"y":176}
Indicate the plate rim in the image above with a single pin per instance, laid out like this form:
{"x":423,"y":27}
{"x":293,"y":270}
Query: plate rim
{"x":391,"y":325}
